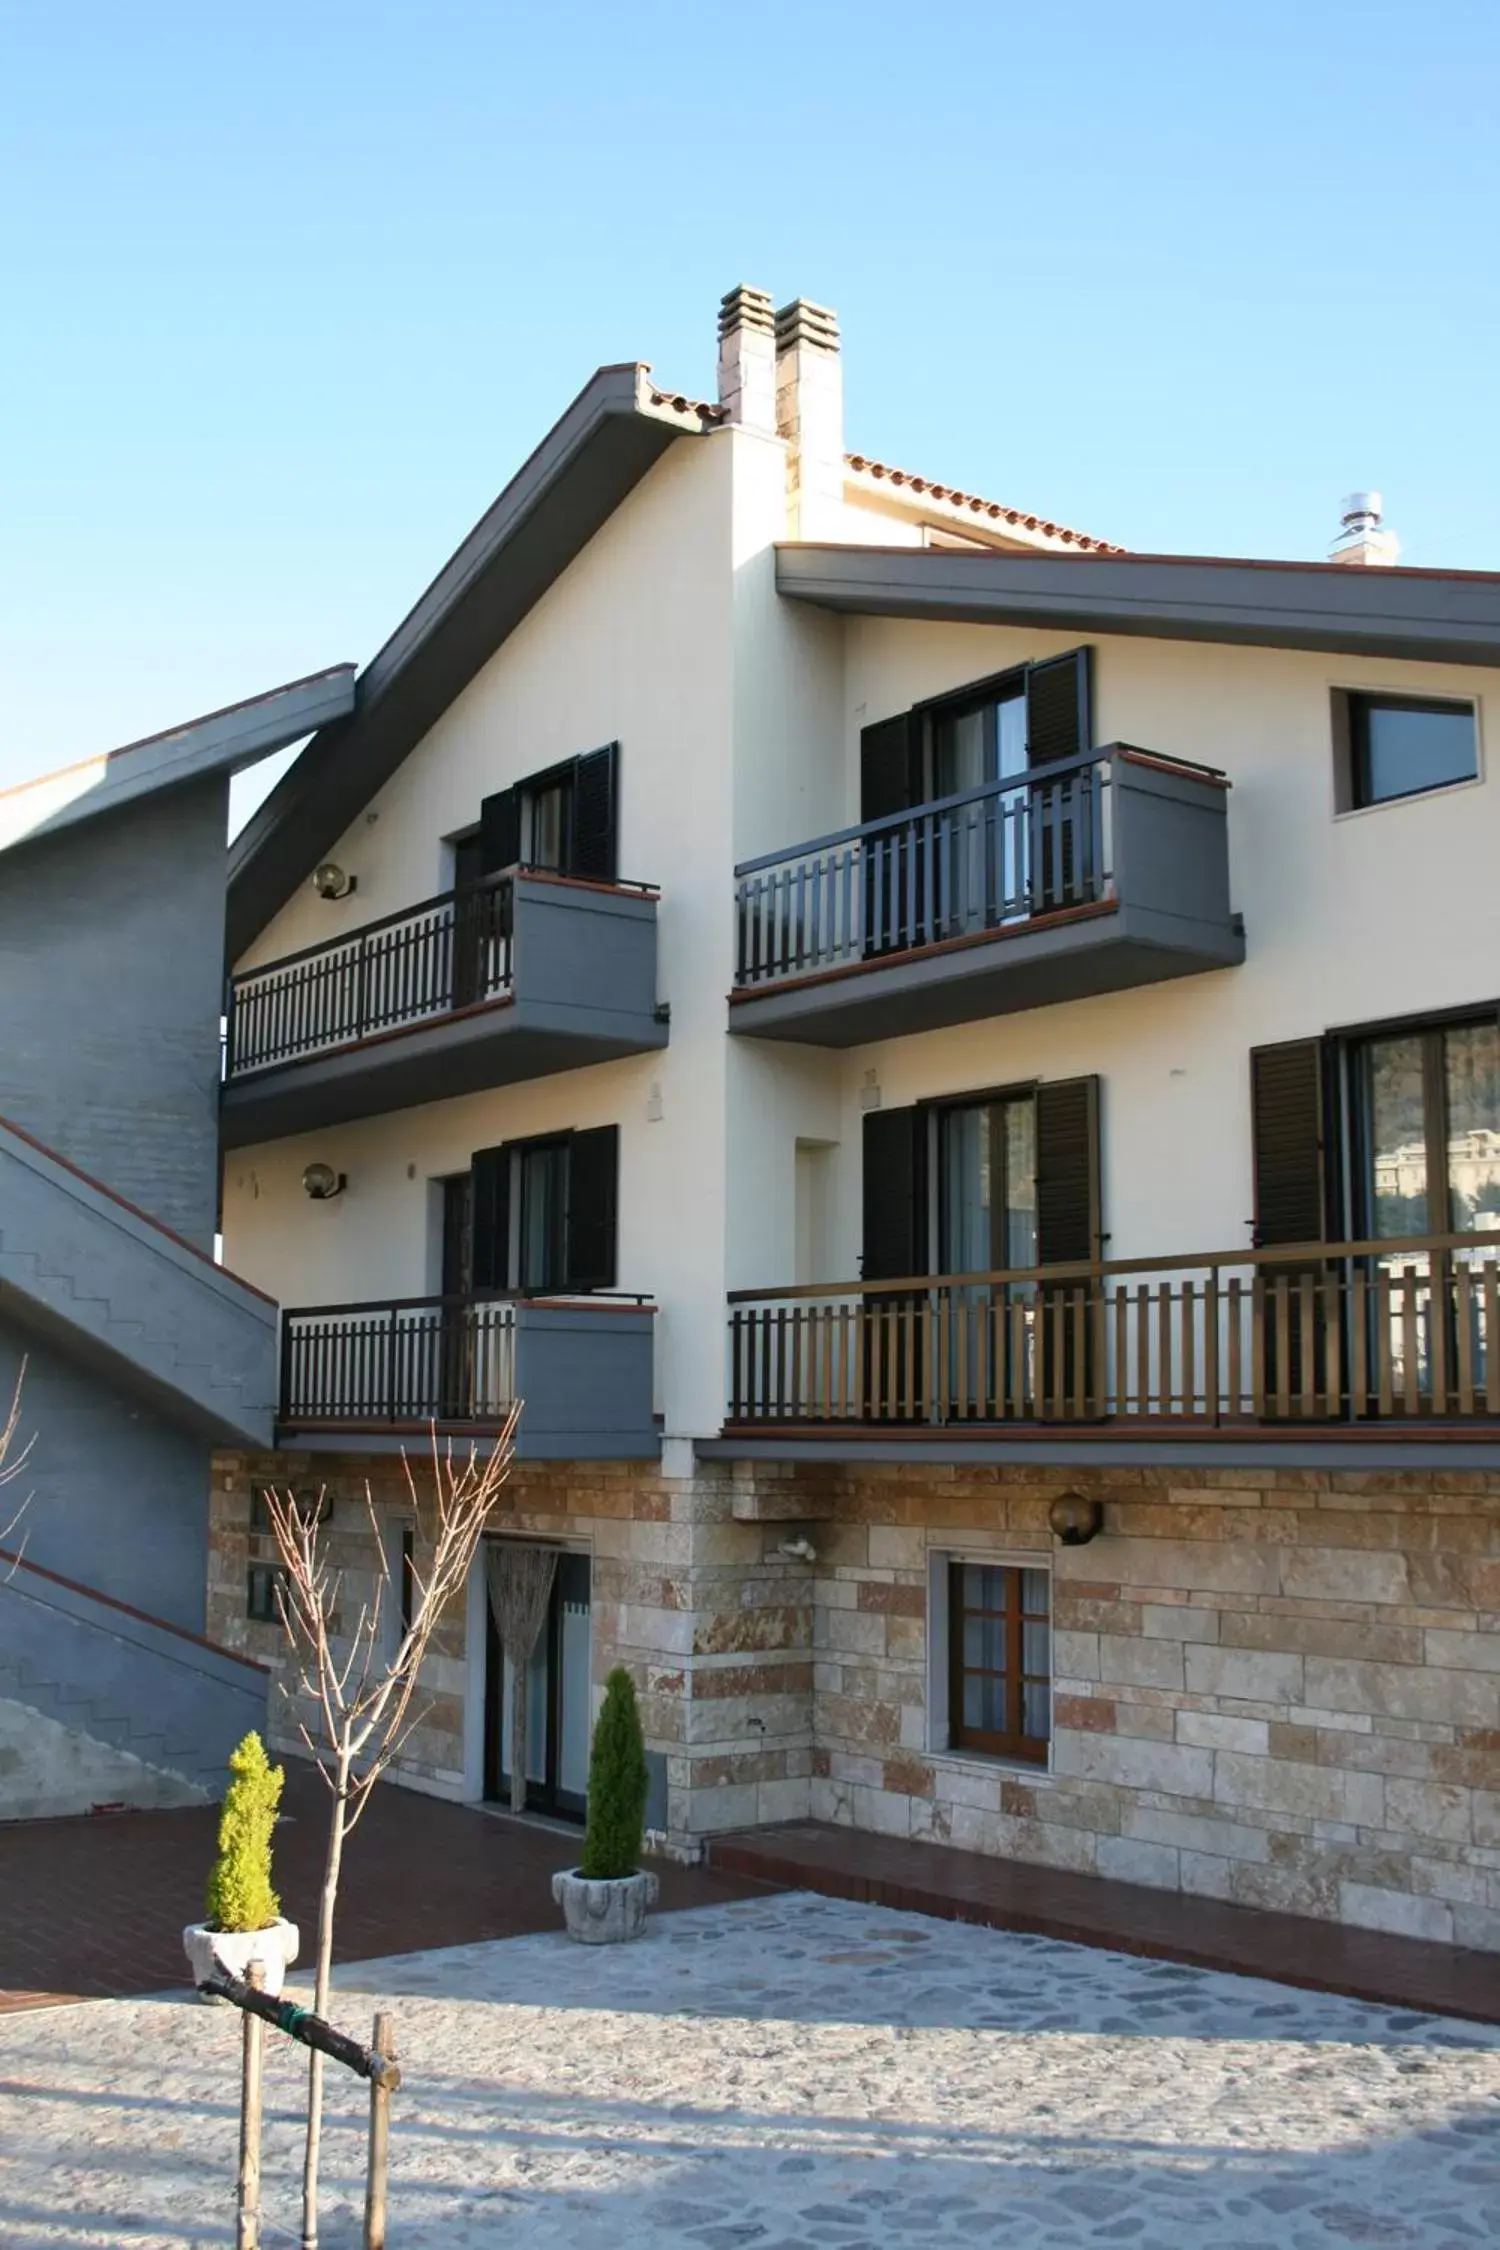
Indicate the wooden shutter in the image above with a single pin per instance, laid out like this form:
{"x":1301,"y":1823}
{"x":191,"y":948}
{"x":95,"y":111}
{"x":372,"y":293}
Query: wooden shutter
{"x":895,"y":1237}
{"x":1067,"y":1171}
{"x":500,"y":831}
{"x":491,"y":1217}
{"x":594,"y":814}
{"x":1287,"y":1112}
{"x":1058,"y":720}
{"x":593,"y":1198}
{"x":890,"y":766}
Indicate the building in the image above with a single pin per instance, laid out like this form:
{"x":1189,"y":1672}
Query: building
{"x":141,"y":1353}
{"x":894,"y":1024}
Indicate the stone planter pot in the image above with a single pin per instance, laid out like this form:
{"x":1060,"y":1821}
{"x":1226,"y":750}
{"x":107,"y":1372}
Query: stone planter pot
{"x":274,"y":1948}
{"x":606,"y":1910}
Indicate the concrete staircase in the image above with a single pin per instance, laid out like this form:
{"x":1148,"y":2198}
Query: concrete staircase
{"x":122,"y":1292}
{"x":113,"y":1677}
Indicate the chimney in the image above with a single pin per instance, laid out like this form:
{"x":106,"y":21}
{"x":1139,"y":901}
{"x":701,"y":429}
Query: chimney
{"x":810,"y":416}
{"x":747,"y":359}
{"x":1362,"y":538}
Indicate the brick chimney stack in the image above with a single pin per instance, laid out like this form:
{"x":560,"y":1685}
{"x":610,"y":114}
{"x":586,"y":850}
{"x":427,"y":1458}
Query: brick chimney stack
{"x":1362,"y":537}
{"x":747,"y":359}
{"x":810,"y":416}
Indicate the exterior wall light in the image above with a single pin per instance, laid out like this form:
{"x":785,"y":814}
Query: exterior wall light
{"x":320,"y":1183}
{"x":1075,"y":1518}
{"x":330,"y":881}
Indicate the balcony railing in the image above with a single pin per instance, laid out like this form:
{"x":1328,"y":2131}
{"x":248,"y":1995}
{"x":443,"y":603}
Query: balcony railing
{"x":409,"y":1361}
{"x":982,"y":860}
{"x":450,"y":952}
{"x":1402,"y":1331}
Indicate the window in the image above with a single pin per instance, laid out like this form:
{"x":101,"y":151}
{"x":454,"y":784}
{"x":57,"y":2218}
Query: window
{"x":541,"y":1214}
{"x":999,"y":1659}
{"x":262,"y":1589}
{"x":1427,"y":1130}
{"x":562,"y":820}
{"x":1393,"y":746}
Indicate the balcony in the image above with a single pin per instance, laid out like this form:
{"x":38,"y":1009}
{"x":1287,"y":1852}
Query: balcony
{"x":1375,"y":1338}
{"x":1085,"y":876}
{"x":515,"y":977}
{"x":581,"y":1366}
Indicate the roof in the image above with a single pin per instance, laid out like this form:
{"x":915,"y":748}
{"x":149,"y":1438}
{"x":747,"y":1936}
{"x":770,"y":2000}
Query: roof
{"x":1440,"y":616}
{"x":221,"y":742}
{"x":967,"y":505}
{"x":616,"y":429}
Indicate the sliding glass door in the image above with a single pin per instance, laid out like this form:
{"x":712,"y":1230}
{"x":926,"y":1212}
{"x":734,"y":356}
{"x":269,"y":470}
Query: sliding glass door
{"x":986,"y":1222}
{"x":1427,"y":1161}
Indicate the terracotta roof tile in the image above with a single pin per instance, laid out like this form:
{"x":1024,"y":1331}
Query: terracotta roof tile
{"x":986,"y":511}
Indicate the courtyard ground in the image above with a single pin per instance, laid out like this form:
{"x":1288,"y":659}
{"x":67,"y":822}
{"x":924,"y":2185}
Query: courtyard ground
{"x":93,"y":1909}
{"x":789,"y":2073}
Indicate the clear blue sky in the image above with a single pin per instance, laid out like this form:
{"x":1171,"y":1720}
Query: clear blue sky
{"x":291,"y":289}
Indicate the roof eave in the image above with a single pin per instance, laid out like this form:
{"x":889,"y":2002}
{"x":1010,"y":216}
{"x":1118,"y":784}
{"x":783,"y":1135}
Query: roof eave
{"x":222,"y":742}
{"x":1450,"y":617}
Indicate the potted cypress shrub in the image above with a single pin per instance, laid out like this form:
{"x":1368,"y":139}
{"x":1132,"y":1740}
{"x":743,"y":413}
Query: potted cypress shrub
{"x":605,"y":1897}
{"x":244,"y":1921}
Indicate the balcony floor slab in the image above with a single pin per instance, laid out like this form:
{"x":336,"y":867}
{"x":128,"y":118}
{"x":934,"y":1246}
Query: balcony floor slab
{"x":1074,"y":955}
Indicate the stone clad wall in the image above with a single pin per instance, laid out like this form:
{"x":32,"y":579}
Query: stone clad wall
{"x":716,"y":1636}
{"x":1279,"y":1688}
{"x":1276,"y":1688}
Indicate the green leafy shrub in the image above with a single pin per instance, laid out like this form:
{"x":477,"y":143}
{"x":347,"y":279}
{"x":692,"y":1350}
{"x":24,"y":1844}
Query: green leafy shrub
{"x":617,"y":1784}
{"x":240,"y":1896}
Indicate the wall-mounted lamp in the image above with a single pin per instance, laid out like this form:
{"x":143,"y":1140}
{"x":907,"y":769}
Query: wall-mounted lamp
{"x":330,"y":881}
{"x":1075,"y":1518}
{"x":320,"y":1183}
{"x":798,"y":1550}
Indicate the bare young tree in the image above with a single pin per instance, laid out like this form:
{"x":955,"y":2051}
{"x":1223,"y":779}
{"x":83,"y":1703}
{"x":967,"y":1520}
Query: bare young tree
{"x":356,"y":1686}
{"x":11,"y":1465}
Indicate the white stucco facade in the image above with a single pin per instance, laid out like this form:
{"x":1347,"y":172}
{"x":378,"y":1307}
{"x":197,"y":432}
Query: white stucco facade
{"x":738,"y":715}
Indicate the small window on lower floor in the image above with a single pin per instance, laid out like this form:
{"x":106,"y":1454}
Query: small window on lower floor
{"x":262,"y":1591}
{"x":999,"y":1659}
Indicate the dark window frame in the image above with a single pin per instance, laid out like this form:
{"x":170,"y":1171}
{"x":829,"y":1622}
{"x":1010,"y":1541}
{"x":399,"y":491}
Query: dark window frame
{"x":262,"y":1581}
{"x":562,"y":778}
{"x":1353,"y":791}
{"x":1012,"y":1742}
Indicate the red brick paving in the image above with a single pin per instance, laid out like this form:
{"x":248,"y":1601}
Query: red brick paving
{"x":963,"y":1886}
{"x":94,"y":1908}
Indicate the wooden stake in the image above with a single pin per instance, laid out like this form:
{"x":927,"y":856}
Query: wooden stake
{"x":383,"y":2043}
{"x":247,"y":2222}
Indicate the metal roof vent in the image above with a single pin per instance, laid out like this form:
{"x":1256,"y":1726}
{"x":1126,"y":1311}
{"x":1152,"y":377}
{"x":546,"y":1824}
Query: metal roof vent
{"x":1363,"y":537}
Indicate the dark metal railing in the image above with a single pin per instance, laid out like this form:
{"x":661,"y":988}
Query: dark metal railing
{"x":405,"y":1361}
{"x":453,"y":951}
{"x":977,"y":861}
{"x":1387,"y":1331}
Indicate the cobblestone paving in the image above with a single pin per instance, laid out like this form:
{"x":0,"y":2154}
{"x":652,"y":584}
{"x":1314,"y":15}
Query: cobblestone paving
{"x":789,"y":2074}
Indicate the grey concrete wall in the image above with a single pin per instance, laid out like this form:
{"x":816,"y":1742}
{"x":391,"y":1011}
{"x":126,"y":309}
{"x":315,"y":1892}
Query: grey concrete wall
{"x":49,"y":1771}
{"x":117,"y":1293}
{"x":111,"y":940}
{"x":125,"y":1681}
{"x":119,"y":1496}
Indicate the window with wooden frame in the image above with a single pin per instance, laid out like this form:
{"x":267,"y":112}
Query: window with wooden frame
{"x":999,"y":1659}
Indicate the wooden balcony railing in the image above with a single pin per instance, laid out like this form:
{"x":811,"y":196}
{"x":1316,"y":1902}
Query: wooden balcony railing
{"x":1401,"y":1331}
{"x":983,"y":860}
{"x":450,"y":952}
